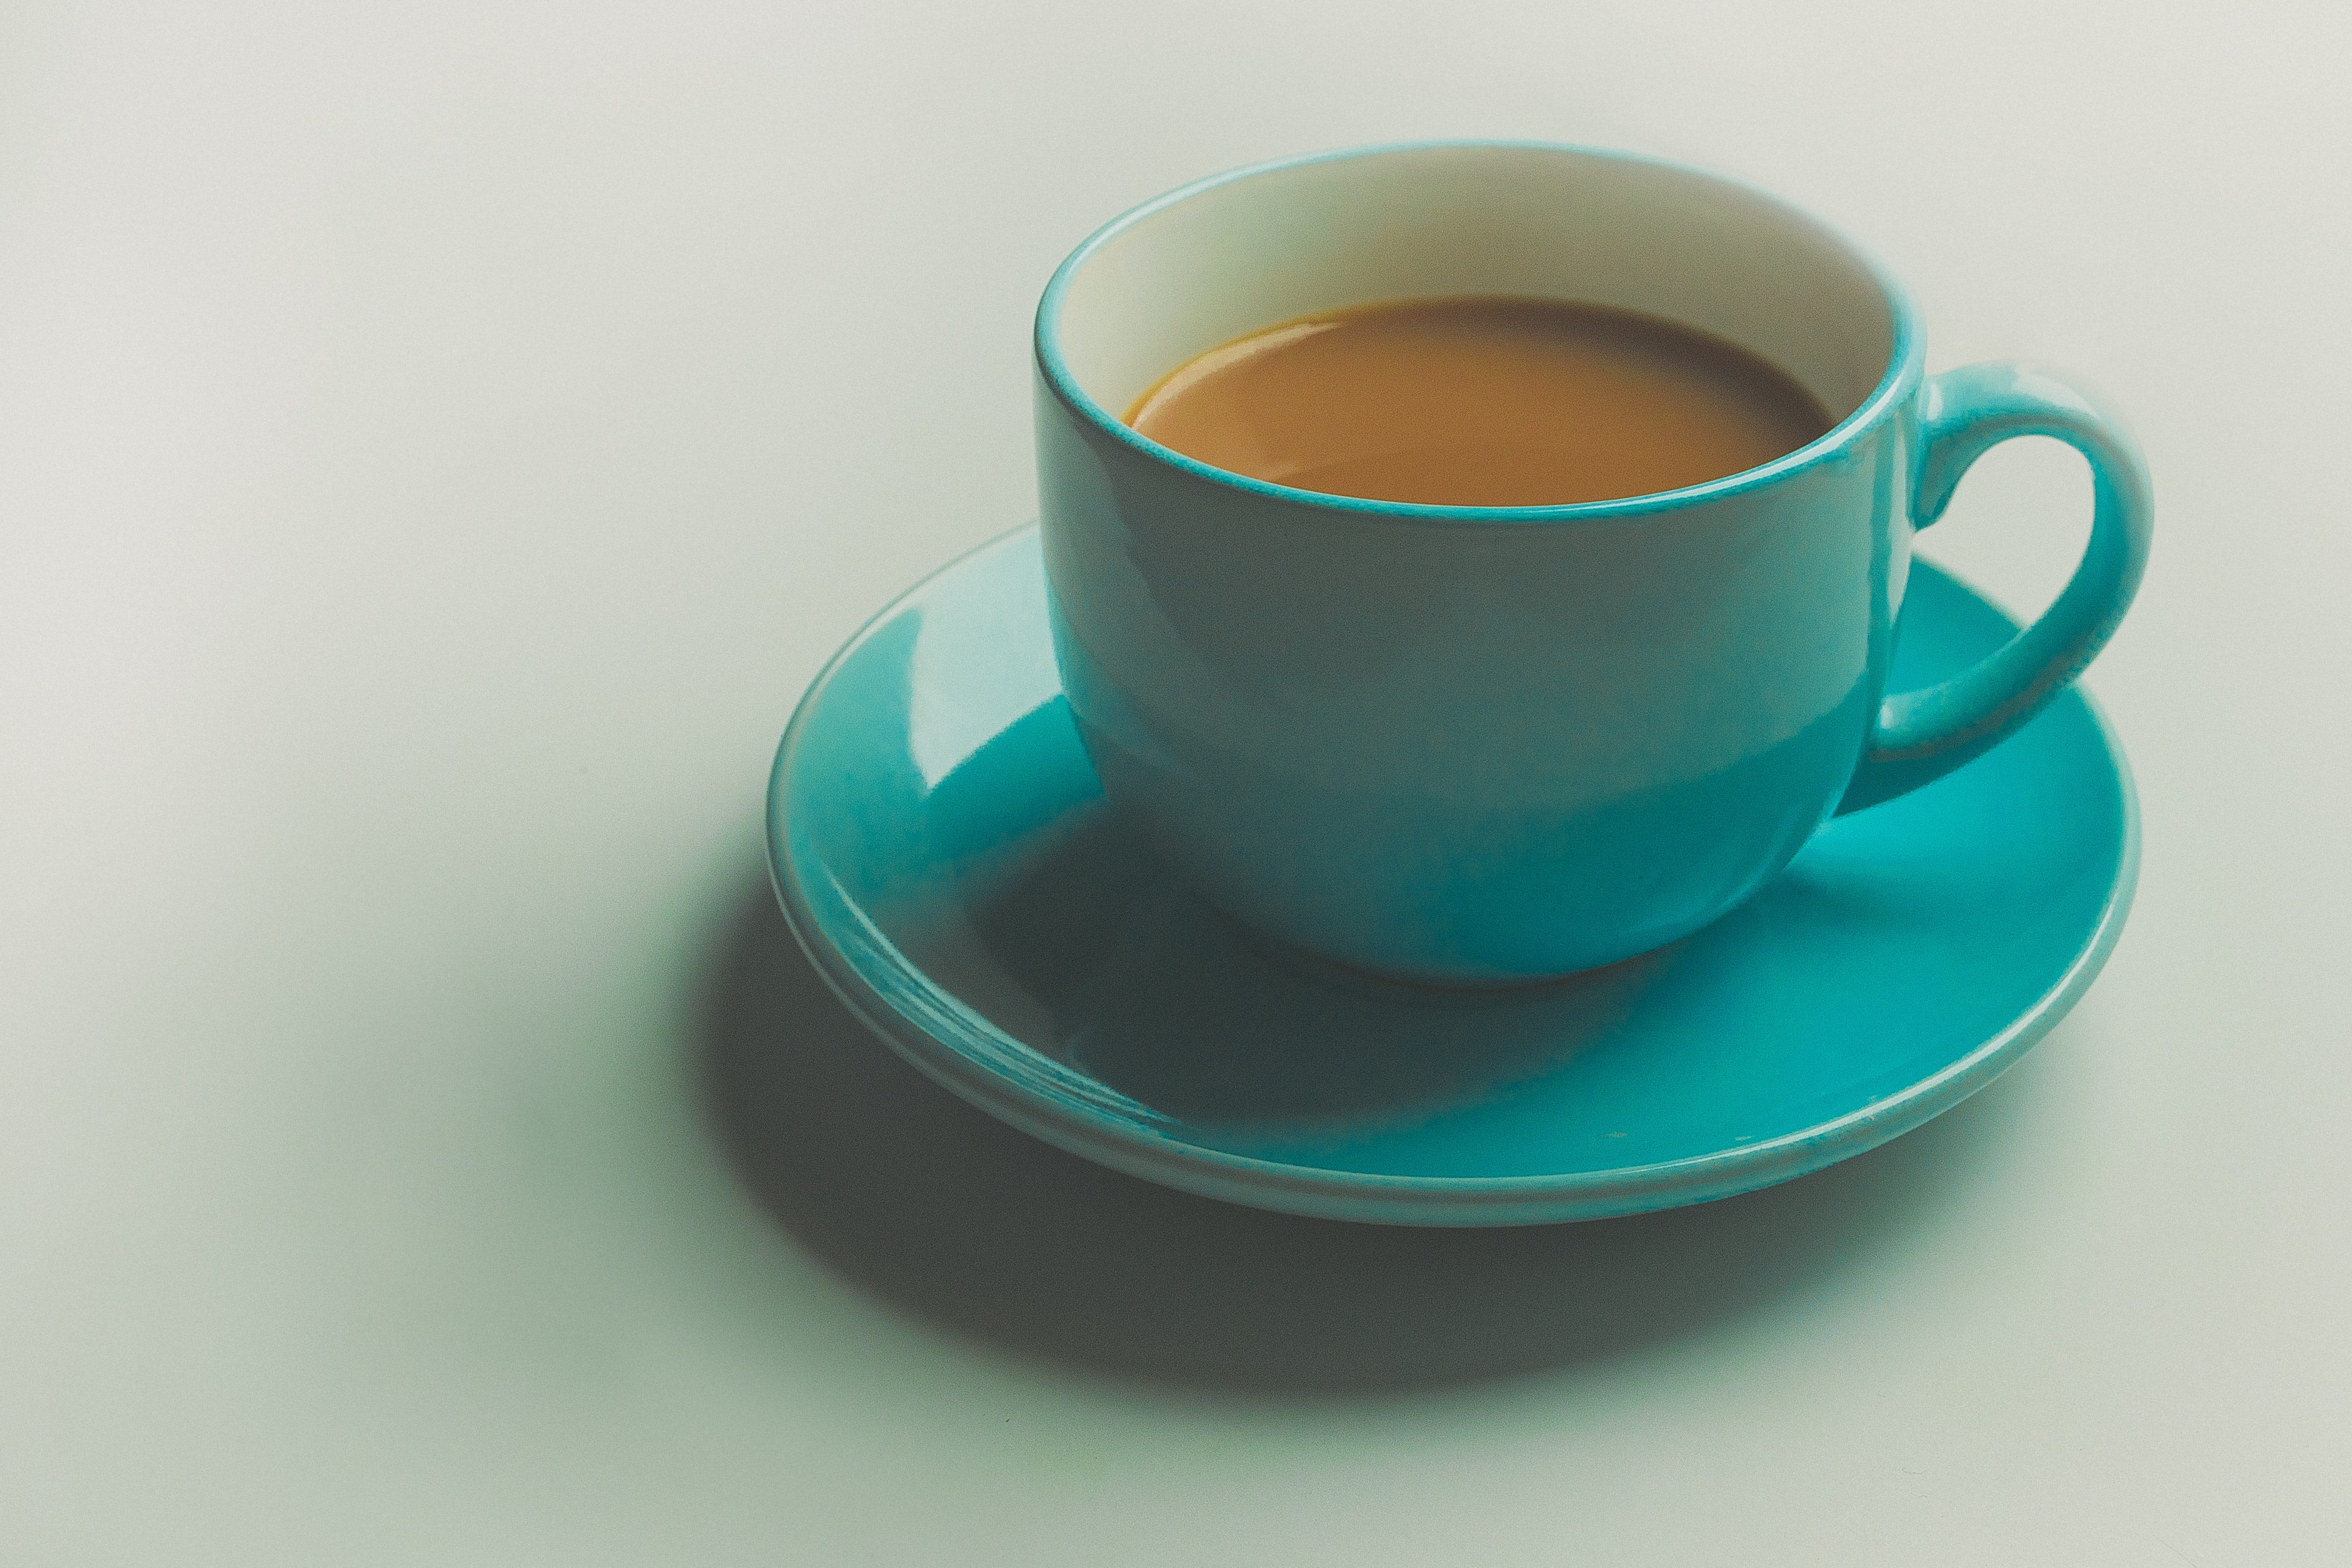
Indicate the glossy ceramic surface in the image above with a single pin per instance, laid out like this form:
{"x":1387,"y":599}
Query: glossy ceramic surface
{"x":946,"y":855}
{"x":1486,"y":744}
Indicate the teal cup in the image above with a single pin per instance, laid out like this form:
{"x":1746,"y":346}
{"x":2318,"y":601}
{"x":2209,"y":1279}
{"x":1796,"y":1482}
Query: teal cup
{"x":1484,"y":745}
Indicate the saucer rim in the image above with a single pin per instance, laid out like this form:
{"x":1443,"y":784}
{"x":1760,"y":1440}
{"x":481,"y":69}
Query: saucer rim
{"x":1014,"y":1082}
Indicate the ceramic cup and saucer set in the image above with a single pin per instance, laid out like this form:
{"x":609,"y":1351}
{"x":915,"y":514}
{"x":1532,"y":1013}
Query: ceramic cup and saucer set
{"x":1475,"y":865}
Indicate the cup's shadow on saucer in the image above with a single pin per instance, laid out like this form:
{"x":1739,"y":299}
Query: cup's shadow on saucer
{"x":939,"y":1209}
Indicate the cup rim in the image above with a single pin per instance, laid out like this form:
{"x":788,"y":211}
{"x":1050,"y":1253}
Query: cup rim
{"x":1903,"y":361}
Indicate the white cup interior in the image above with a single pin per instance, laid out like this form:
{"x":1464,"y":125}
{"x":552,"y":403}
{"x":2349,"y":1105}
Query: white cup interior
{"x":1556,"y":223}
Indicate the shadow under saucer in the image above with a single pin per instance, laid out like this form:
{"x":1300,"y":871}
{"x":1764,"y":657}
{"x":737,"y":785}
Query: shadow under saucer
{"x":948,"y":1213}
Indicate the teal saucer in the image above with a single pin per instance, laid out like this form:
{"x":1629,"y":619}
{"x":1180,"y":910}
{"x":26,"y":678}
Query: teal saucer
{"x":944,"y":853}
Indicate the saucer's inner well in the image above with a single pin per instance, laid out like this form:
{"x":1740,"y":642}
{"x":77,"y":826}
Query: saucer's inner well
{"x":945,"y":836}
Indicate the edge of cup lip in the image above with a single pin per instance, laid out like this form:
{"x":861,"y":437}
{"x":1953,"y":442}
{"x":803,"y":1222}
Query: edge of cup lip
{"x":1903,"y":360}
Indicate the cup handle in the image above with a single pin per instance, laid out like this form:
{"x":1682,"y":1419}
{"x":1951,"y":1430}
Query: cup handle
{"x":1922,"y":736}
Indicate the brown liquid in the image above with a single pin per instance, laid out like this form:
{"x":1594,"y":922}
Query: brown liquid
{"x":1480,"y":402}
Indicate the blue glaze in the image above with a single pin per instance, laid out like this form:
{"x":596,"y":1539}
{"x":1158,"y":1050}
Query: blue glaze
{"x":946,"y":855}
{"x":1478,"y":745}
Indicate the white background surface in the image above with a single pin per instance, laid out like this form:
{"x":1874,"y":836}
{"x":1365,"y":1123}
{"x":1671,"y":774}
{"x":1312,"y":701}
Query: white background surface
{"x":438,"y":442}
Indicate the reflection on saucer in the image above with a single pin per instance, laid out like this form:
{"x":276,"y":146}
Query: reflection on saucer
{"x":1076,"y":939}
